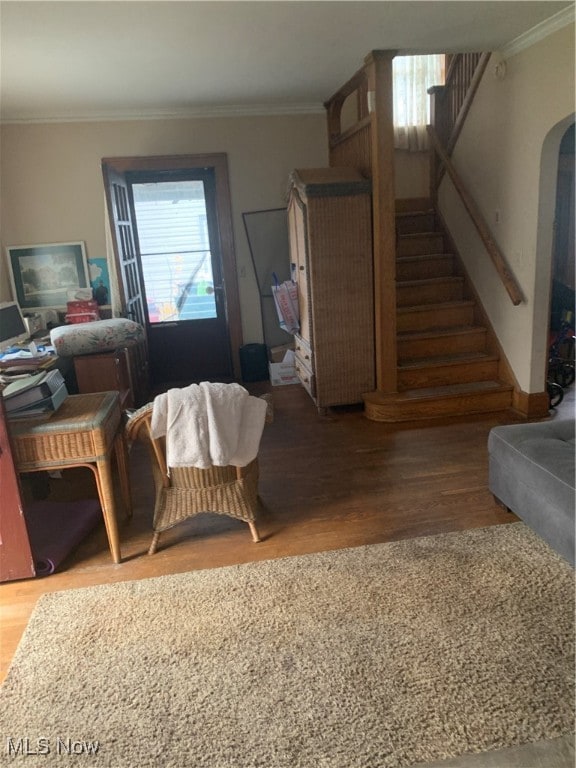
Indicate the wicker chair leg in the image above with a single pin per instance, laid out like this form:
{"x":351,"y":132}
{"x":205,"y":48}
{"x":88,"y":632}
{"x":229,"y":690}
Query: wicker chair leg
{"x":154,"y":543}
{"x":254,"y":531}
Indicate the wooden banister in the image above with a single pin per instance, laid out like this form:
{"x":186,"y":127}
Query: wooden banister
{"x":357,"y":83}
{"x":508,"y":279}
{"x":474,"y":77}
{"x":379,"y":71}
{"x":450,"y":103}
{"x":368,"y":144}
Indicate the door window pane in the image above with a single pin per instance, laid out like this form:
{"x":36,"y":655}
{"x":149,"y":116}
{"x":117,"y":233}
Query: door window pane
{"x":175,"y":250}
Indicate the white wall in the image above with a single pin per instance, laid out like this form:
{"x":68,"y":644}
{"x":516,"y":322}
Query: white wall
{"x":52,"y":190}
{"x":51,"y":180}
{"x":507,"y":155}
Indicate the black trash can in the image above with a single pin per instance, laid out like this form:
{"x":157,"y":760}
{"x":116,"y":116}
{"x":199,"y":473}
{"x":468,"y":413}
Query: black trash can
{"x":254,"y":362}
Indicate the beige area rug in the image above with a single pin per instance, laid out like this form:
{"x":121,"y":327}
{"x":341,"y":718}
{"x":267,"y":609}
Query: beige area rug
{"x":379,"y":656}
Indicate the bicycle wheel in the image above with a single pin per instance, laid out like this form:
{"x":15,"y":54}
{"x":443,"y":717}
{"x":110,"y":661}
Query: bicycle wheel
{"x":564,"y":375}
{"x":555,"y":393}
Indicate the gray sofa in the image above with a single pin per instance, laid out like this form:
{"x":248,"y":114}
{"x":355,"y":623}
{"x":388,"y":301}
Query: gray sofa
{"x":531,"y":472}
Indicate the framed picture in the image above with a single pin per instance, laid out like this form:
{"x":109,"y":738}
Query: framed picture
{"x":42,"y":275}
{"x":99,"y":280}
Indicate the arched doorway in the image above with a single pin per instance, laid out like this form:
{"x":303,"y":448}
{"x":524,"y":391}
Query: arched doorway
{"x":548,"y":196}
{"x":563,"y":257}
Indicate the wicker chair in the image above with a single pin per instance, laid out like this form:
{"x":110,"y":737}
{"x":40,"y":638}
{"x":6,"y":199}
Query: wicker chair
{"x":188,"y":491}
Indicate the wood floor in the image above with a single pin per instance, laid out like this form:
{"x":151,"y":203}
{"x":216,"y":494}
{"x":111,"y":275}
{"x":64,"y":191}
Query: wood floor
{"x":327,"y":483}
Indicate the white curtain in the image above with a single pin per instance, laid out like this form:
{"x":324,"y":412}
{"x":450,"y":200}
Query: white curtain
{"x":413,"y":75}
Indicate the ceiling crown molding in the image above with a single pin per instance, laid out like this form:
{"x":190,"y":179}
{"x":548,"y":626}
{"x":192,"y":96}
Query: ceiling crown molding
{"x":540,"y":31}
{"x":230,"y":110}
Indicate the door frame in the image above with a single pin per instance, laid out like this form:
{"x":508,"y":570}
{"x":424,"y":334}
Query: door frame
{"x":219,"y":163}
{"x":547,"y":193}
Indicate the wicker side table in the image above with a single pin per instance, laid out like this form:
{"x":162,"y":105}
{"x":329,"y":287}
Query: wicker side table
{"x":84,"y":432}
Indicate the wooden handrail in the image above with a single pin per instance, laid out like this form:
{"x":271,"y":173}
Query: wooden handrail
{"x":479,"y":222}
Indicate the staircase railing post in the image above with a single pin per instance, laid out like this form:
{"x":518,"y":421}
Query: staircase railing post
{"x":437,"y":95}
{"x":379,"y":70}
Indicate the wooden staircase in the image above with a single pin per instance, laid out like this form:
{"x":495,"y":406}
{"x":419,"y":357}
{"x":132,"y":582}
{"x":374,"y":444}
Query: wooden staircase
{"x":447,"y":363}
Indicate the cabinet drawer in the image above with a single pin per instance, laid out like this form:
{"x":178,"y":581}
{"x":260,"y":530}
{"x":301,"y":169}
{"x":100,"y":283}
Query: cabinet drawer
{"x":307,"y":378}
{"x":303,"y":351}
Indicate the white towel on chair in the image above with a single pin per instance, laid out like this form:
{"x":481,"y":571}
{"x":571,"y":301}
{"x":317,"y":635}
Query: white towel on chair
{"x":209,"y":424}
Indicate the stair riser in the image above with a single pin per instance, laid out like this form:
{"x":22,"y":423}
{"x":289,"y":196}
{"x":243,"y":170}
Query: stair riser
{"x":410,"y":223}
{"x":426,"y":275}
{"x":443,"y":375}
{"x":442,"y":345}
{"x":414,"y":295}
{"x":440,"y":266}
{"x":415,"y":245}
{"x":445,"y":317}
{"x":452,"y":406}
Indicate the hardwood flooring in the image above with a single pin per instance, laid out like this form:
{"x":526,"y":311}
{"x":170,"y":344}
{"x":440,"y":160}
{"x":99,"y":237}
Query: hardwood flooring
{"x":326,"y":482}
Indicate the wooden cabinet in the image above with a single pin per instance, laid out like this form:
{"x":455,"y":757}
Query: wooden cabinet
{"x":16,"y":561}
{"x":330,"y":231}
{"x":124,"y":369}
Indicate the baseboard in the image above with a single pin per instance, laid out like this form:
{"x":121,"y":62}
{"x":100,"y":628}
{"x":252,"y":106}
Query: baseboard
{"x":532,"y":405}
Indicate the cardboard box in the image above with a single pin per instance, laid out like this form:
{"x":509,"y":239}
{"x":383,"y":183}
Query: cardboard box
{"x":282,"y":373}
{"x":277,"y":354}
{"x":82,"y":317}
{"x":82,"y":306}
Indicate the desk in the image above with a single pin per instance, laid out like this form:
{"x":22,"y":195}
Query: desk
{"x":84,"y":432}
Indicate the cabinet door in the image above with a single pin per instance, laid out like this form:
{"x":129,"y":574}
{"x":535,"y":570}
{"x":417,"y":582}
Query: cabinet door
{"x":299,"y":261}
{"x":103,"y":373}
{"x":16,"y":561}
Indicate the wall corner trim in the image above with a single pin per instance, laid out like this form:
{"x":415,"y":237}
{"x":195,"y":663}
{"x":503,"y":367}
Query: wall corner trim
{"x":539,"y":32}
{"x":186,"y":113}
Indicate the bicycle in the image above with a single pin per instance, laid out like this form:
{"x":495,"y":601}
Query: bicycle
{"x":561,"y":370}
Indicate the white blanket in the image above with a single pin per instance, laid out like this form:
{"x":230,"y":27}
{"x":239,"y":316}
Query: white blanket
{"x":209,"y":425}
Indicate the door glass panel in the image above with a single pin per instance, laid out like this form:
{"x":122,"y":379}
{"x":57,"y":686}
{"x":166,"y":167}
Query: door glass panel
{"x":175,"y":250}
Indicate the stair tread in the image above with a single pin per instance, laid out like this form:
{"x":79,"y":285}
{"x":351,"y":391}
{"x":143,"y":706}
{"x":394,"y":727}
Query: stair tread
{"x":430,"y":281}
{"x":436,"y":332}
{"x":414,"y":235}
{"x":454,"y":359}
{"x":474,"y":387}
{"x":425,"y":256}
{"x":446,"y":390}
{"x":456,"y":304}
{"x":454,"y":382}
{"x":411,"y":214}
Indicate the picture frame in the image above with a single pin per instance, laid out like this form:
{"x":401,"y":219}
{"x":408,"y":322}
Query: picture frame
{"x":43,"y":275}
{"x":99,"y":276}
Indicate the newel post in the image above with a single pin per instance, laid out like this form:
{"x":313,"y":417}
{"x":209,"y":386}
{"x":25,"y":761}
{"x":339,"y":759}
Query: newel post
{"x":380,"y":106}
